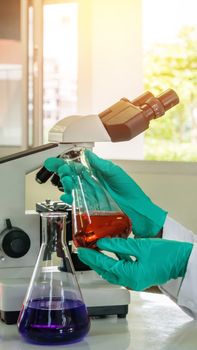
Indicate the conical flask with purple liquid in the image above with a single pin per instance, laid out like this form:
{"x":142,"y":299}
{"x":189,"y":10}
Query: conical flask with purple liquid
{"x":53,"y":310}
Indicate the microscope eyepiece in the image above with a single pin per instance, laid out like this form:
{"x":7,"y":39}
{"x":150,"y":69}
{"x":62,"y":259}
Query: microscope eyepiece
{"x":127,"y":119}
{"x":156,"y":107}
{"x":168,"y":98}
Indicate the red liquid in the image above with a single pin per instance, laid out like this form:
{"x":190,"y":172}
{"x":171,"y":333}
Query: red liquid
{"x":88,"y":229}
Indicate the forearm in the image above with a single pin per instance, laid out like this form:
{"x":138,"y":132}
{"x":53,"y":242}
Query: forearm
{"x":173,"y":230}
{"x":183,"y":290}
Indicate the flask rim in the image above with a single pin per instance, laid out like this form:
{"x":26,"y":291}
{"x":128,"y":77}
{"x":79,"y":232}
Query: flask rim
{"x":70,"y":155}
{"x":53,"y":214}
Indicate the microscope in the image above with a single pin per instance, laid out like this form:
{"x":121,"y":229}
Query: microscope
{"x":20,"y":235}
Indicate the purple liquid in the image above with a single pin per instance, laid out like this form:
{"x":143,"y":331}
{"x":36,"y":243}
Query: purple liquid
{"x":49,"y":323}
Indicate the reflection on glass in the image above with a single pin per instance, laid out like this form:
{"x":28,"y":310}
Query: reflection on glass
{"x":30,"y":76}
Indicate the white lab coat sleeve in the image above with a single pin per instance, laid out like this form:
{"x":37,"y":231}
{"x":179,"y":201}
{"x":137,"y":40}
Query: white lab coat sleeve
{"x":183,"y":290}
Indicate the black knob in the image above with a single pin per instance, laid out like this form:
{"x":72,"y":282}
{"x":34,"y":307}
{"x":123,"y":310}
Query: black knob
{"x":43,"y":175}
{"x":15,"y":242}
{"x":55,"y":180}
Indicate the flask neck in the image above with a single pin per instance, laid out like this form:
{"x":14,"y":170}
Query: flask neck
{"x":76,"y":159}
{"x":54,"y":228}
{"x":54,"y":248}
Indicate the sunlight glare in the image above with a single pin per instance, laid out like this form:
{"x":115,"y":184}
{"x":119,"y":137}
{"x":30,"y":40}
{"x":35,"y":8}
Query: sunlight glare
{"x":162,"y":20}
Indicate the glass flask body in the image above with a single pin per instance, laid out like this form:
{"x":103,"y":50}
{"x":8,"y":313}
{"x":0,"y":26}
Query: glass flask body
{"x":53,"y":311}
{"x":94,"y":213}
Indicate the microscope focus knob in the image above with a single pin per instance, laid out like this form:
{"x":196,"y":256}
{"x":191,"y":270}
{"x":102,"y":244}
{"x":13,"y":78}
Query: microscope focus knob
{"x":15,"y":242}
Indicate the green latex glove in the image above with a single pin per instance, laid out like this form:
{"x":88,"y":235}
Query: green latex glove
{"x":147,"y":218}
{"x":155,"y":261}
{"x":80,"y":178}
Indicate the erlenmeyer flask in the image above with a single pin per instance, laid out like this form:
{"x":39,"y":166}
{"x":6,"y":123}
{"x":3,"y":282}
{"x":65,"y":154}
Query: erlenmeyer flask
{"x":53,"y":310}
{"x":94,"y":213}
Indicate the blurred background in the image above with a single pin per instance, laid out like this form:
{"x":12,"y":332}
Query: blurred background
{"x":59,"y":58}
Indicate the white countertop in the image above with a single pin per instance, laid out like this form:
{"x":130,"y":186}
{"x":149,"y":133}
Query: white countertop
{"x":153,"y":322}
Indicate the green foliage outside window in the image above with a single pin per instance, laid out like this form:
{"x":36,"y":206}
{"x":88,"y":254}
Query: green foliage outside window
{"x":174,"y":136}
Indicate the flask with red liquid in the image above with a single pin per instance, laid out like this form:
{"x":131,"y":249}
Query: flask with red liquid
{"x":94,"y":213}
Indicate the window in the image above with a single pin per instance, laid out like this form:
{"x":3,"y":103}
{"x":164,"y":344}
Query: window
{"x":10,"y":75}
{"x":60,"y":63}
{"x":170,"y":60}
{"x":86,"y":55}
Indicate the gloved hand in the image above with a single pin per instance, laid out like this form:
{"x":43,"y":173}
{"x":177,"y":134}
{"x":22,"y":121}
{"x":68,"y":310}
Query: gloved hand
{"x":147,"y":218}
{"x":157,"y":261}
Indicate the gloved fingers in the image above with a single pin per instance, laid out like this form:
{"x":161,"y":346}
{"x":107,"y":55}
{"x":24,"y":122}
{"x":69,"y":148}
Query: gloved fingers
{"x":76,"y":183}
{"x":128,"y":276}
{"x":89,"y":180}
{"x":53,"y":164}
{"x":69,"y":177}
{"x":122,"y":272}
{"x":70,"y":169}
{"x":112,"y":278}
{"x":120,"y":246}
{"x":64,"y":170}
{"x":112,"y":176}
{"x":76,"y":168}
{"x":96,"y":259}
{"x":66,"y":198}
{"x":125,"y":273}
{"x":109,"y":276}
{"x":98,"y":270}
{"x":99,"y":264}
{"x":85,"y":188}
{"x":100,"y":196}
{"x":67,"y":183}
{"x":104,"y":166}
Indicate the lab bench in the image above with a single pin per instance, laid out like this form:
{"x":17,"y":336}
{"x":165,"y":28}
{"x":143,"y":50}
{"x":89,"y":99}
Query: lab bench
{"x":153,"y":322}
